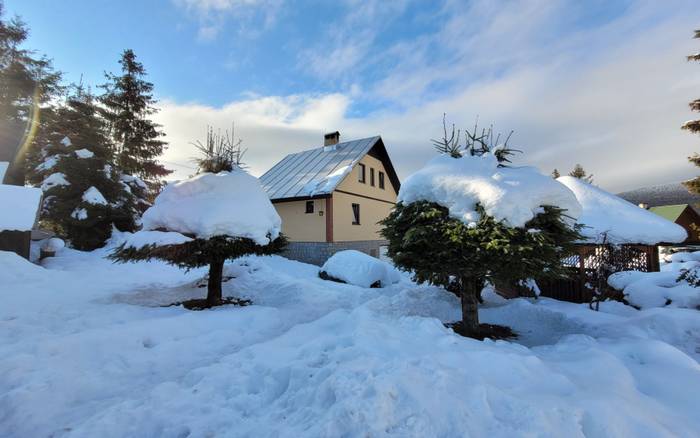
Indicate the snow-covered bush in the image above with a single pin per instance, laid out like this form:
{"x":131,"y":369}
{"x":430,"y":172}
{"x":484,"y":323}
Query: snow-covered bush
{"x":655,"y":289}
{"x":360,"y":269}
{"x":203,"y":221}
{"x":466,"y":218}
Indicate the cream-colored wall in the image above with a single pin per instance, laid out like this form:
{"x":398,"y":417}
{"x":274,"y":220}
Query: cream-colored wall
{"x":371,"y":212}
{"x":300,"y":226}
{"x":352,"y":185}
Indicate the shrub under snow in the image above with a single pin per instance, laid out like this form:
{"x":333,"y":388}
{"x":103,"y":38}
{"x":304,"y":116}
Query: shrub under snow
{"x":655,"y":289}
{"x":360,"y":269}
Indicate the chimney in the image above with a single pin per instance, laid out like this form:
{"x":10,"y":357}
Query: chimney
{"x":331,"y":138}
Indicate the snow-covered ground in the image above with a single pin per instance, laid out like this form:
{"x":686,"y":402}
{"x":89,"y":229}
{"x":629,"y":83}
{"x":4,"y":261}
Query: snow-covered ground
{"x":85,"y":351}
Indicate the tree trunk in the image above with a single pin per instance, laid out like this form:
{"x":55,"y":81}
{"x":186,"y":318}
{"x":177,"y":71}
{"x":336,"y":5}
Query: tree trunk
{"x":216,"y":270}
{"x":470,"y":306}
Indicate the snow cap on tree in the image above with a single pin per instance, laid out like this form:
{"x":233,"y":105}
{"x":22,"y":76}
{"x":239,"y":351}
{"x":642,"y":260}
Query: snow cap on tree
{"x":514,"y":195}
{"x":227,"y":203}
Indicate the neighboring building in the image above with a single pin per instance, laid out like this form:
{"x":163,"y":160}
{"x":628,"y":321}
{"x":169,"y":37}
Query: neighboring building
{"x":20,"y":208}
{"x":684,"y":215}
{"x":332,"y":197}
{"x":664,"y":194}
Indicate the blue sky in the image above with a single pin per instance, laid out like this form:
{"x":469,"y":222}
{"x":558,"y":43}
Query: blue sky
{"x":574,"y":79}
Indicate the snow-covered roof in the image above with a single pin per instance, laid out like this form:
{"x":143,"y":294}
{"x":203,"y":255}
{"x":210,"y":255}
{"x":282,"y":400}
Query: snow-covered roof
{"x":318,"y":171}
{"x":227,"y":203}
{"x":19,"y":207}
{"x":622,"y":221}
{"x":510,"y":194}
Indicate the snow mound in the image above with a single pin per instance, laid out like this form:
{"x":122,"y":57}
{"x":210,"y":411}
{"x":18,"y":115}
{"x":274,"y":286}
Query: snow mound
{"x":53,"y":244}
{"x":20,"y":206}
{"x":513,"y":195}
{"x":84,"y":153}
{"x":360,"y":269}
{"x":655,"y":289}
{"x":94,"y":196}
{"x":142,"y":238}
{"x":207,"y":205}
{"x":54,"y":180}
{"x":16,"y":269}
{"x":681,"y":257}
{"x":623,"y":222}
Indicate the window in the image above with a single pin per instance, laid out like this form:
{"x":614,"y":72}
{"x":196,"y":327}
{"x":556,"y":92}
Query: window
{"x":381,"y":180}
{"x":371,"y":176}
{"x":355,"y":214}
{"x":361,"y":174}
{"x":309,"y":207}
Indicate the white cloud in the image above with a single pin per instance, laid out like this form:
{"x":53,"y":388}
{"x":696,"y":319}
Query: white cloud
{"x":611,"y":98}
{"x":248,"y":17}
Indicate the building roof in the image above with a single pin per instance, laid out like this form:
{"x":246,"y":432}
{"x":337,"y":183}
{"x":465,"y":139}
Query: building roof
{"x":317,"y":172}
{"x":23,"y":203}
{"x":670,"y":212}
{"x":659,"y":195}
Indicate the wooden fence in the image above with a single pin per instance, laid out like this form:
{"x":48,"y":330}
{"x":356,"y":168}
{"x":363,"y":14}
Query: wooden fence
{"x":591,"y":266}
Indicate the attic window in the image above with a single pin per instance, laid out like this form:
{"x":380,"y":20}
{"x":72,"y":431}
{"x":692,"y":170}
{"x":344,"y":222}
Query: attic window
{"x":361,"y":173}
{"x":381,"y":180}
{"x":371,"y":176}
{"x":309,"y":207}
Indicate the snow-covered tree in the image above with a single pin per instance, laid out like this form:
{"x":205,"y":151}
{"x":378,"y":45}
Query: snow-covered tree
{"x":693,"y":126}
{"x":580,"y":173}
{"x":467,"y":218}
{"x":206,"y":220}
{"x":555,"y":174}
{"x":83,"y":194}
{"x":128,"y":106}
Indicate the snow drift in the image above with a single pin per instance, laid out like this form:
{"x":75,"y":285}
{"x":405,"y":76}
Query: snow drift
{"x":513,"y":195}
{"x":208,"y":205}
{"x":360,"y":269}
{"x":623,"y":222}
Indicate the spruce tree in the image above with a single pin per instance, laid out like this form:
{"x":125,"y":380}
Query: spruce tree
{"x":128,"y":107}
{"x":221,"y":172}
{"x":83,"y":195}
{"x":442,"y":250}
{"x":580,"y":173}
{"x":555,"y":174}
{"x":693,"y":126}
{"x":27,"y":84}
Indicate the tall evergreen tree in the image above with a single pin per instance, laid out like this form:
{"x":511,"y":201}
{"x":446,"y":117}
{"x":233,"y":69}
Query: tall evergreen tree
{"x":694,"y":126}
{"x":27,"y":83}
{"x":84,"y":196}
{"x":128,"y":106}
{"x":555,"y":174}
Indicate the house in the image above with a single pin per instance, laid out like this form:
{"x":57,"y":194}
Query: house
{"x":684,"y":215}
{"x":332,"y":197}
{"x":20,"y":210}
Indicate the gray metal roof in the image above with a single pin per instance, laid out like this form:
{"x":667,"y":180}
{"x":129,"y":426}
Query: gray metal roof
{"x":314,"y":172}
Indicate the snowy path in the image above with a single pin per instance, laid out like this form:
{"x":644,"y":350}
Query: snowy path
{"x":82,"y":354}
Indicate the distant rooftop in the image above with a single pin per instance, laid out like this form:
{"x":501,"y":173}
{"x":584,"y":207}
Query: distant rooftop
{"x":664,"y":194}
{"x":315,"y":172}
